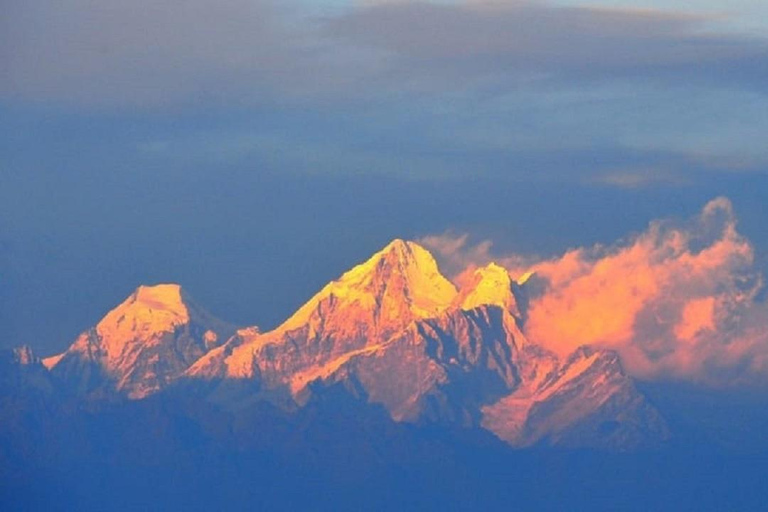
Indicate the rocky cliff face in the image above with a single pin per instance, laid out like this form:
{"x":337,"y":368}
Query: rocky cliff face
{"x":585,"y":400}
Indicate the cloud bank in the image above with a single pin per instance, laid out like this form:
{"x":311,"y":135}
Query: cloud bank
{"x":523,"y":89}
{"x":679,"y":300}
{"x":150,"y":53}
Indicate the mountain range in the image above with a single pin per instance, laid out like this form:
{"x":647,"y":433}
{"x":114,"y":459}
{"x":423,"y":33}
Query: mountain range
{"x":392,"y":388}
{"x":392,"y":332}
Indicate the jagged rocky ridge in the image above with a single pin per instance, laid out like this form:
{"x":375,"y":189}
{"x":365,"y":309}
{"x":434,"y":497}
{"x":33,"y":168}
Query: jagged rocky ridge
{"x":392,"y":331}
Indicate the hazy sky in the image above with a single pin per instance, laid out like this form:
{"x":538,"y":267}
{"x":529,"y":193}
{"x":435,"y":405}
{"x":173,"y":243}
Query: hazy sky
{"x":252,"y":150}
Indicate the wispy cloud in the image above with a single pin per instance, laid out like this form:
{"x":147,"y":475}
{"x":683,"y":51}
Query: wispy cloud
{"x":162,"y":52}
{"x":521,"y":90}
{"x":486,"y":44}
{"x":635,"y":178}
{"x":147,"y":53}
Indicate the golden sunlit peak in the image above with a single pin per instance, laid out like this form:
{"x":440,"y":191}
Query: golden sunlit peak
{"x":397,"y":244}
{"x":410,"y":262}
{"x":490,"y":285}
{"x":402,"y":250}
{"x":161,"y":295}
{"x":149,"y":309}
{"x":493,"y":269}
{"x":400,"y":257}
{"x":396,"y":284}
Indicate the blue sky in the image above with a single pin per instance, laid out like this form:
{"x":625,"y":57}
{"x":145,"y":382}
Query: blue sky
{"x":253,"y":150}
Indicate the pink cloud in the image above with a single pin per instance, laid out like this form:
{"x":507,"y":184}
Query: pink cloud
{"x":698,"y":316}
{"x":676,"y":301}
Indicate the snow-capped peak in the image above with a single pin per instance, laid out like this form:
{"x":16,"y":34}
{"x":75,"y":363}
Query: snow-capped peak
{"x":492,"y":286}
{"x":149,"y":309}
{"x":143,"y":343}
{"x":398,"y":283}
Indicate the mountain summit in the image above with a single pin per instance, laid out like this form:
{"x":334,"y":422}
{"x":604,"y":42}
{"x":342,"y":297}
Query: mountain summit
{"x":490,"y":286}
{"x":397,"y":284}
{"x":142,"y":344}
{"x":360,"y":310}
